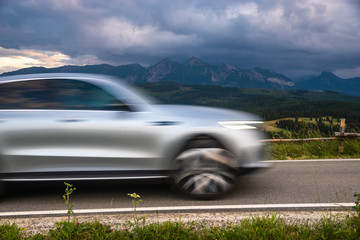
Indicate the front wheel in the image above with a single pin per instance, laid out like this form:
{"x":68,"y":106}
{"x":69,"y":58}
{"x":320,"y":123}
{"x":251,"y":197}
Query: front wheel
{"x":205,"y":173}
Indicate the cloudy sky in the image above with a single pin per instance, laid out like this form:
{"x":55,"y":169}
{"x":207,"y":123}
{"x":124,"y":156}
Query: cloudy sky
{"x":293,"y":37}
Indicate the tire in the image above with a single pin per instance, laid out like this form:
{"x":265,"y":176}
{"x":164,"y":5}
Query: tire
{"x":2,"y":183}
{"x":205,"y":173}
{"x":2,"y":188}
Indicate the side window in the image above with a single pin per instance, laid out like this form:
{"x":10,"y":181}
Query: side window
{"x":78,"y":95}
{"x":25,"y":95}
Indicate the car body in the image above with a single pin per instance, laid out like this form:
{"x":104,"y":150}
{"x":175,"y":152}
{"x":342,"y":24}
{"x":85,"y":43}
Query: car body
{"x":92,"y":127}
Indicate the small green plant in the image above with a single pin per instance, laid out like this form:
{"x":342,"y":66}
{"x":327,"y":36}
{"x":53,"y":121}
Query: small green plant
{"x":135,"y":202}
{"x":68,"y":191}
{"x":357,"y":204}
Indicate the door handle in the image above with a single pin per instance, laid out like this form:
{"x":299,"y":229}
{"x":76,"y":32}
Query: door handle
{"x":70,"y":120}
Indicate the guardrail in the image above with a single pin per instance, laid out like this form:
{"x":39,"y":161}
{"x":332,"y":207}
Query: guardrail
{"x":341,"y":136}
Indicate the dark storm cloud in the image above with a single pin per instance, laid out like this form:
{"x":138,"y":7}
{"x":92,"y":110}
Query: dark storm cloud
{"x":293,"y":37}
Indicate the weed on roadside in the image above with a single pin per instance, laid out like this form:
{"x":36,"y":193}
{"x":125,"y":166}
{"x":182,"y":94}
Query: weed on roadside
{"x":68,"y":191}
{"x":135,"y":224}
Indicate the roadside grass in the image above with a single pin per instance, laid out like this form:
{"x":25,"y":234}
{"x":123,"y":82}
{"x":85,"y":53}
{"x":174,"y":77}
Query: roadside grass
{"x":11,"y":231}
{"x":269,"y":227}
{"x":313,"y":150}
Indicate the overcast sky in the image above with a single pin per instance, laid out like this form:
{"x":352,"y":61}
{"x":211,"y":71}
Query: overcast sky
{"x":293,"y":37}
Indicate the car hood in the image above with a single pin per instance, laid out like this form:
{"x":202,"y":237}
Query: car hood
{"x":205,"y":113}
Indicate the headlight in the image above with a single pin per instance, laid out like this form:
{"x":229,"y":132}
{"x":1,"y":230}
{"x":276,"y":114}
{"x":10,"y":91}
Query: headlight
{"x":241,"y":125}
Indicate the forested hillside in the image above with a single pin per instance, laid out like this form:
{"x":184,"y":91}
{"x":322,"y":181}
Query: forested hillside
{"x":270,"y":104}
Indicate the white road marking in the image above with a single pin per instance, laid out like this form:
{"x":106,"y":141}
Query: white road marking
{"x":178,"y":208}
{"x":314,"y":160}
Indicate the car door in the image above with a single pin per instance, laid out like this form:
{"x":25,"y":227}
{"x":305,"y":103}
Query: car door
{"x":23,"y":124}
{"x":100,"y":132}
{"x":75,"y":128}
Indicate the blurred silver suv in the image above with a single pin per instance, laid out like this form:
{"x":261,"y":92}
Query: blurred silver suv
{"x":63,"y":127}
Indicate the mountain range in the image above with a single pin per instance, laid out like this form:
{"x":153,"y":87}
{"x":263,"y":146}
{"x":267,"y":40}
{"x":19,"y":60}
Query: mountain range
{"x":197,"y":72}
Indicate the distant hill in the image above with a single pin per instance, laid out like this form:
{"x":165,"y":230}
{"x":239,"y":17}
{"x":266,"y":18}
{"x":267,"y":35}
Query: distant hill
{"x":328,"y":81}
{"x":198,"y":72}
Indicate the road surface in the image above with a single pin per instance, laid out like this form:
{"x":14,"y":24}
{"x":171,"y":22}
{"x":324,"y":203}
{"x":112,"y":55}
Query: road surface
{"x":286,"y":183}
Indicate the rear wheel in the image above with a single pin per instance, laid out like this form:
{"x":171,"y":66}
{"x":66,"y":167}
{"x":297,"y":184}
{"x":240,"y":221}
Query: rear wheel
{"x":205,"y":173}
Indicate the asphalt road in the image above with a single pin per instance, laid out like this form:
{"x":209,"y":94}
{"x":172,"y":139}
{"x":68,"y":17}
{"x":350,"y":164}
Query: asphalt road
{"x":324,"y":181}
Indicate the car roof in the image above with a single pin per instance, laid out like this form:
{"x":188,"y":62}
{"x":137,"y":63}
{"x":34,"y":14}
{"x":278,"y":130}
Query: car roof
{"x":54,"y":75}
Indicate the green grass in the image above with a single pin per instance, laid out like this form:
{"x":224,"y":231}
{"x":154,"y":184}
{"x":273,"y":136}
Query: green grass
{"x":269,"y":227}
{"x":10,"y":231}
{"x":313,"y":150}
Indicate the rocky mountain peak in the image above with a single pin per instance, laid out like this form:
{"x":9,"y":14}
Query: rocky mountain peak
{"x":194,"y":62}
{"x":157,"y":72}
{"x":274,"y":77}
{"x":227,"y":67}
{"x":328,"y":75}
